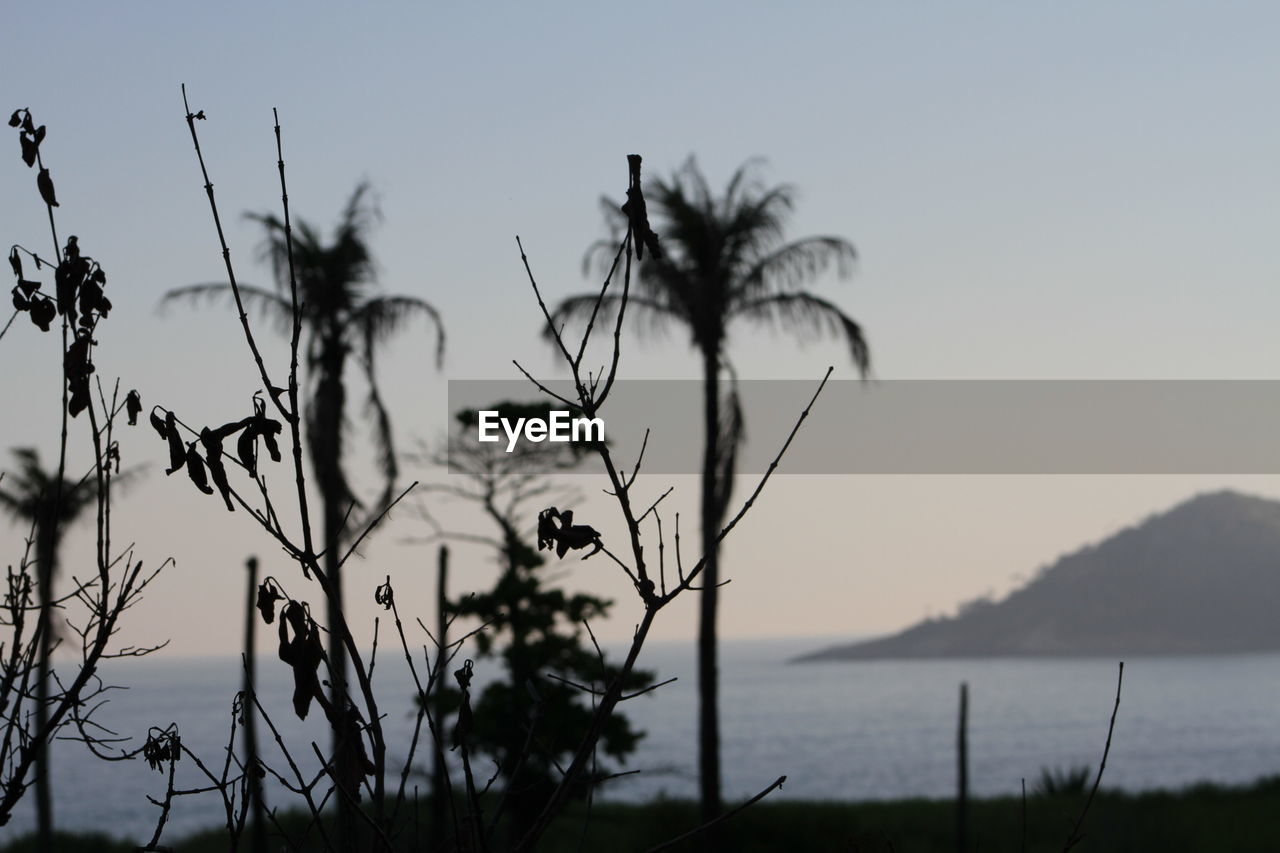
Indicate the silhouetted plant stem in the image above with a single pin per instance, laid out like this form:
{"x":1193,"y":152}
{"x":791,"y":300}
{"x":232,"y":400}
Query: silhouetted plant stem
{"x":44,"y":629}
{"x":226,"y":255}
{"x":1076,"y":837}
{"x":294,"y":419}
{"x":44,"y":593}
{"x":12,"y":317}
{"x":581,"y":759}
{"x":777,"y":783}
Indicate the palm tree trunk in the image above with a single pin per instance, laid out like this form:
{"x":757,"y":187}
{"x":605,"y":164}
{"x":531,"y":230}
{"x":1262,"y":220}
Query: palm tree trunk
{"x":708,"y":677}
{"x":333,"y":513}
{"x":325,"y":435}
{"x":333,"y":570}
{"x":46,"y":549}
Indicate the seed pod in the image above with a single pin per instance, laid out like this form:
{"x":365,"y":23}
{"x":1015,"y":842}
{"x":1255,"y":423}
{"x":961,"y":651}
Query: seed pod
{"x":42,"y":313}
{"x":268,"y":429}
{"x":547,"y":529}
{"x":177,"y":453}
{"x":65,"y":282}
{"x":133,"y":406}
{"x":195,"y":470}
{"x":303,"y":653}
{"x":157,"y":423}
{"x":246,"y":449}
{"x":213,"y":451}
{"x":16,"y":262}
{"x":90,"y":297}
{"x":77,"y":368}
{"x":385,"y":595}
{"x":79,"y":400}
{"x":45,"y":184}
{"x":267,"y":598}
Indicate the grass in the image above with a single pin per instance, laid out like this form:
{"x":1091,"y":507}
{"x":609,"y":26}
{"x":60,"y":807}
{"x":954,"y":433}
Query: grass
{"x":1202,"y":818}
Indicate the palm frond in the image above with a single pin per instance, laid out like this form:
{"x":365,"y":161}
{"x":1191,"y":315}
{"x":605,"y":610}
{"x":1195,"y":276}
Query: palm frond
{"x":129,"y":478}
{"x":267,"y":304}
{"x":383,"y":437}
{"x":361,"y":213}
{"x":379,"y":318}
{"x":599,"y":255}
{"x":725,"y":257}
{"x":650,"y":316}
{"x":689,"y":178}
{"x":274,"y":248}
{"x":755,"y":225}
{"x":11,"y":504}
{"x":806,"y":311}
{"x":33,"y":491}
{"x":795,"y":264}
{"x":745,"y":181}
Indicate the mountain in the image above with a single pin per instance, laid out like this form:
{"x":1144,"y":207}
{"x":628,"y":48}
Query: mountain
{"x":1202,"y":578}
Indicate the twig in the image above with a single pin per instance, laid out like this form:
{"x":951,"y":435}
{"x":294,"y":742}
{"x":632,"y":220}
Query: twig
{"x":1075,"y":837}
{"x":12,"y":317}
{"x":226,"y":257}
{"x":724,"y":817}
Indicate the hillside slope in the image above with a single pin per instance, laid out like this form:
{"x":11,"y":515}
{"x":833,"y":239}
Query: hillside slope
{"x":1203,"y":577}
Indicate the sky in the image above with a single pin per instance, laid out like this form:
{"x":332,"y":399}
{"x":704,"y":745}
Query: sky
{"x":1036,"y":191}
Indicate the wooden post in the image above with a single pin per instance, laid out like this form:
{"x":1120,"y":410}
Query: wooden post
{"x":439,"y":791}
{"x":962,"y":773}
{"x":257,"y":820}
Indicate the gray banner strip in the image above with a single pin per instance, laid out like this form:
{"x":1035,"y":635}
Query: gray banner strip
{"x":944,"y":426}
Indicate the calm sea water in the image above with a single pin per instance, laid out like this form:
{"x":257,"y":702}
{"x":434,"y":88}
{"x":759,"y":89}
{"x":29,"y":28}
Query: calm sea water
{"x":867,"y":730}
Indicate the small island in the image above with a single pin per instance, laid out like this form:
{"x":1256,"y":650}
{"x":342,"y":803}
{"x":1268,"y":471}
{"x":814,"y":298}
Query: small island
{"x":1201,"y":578}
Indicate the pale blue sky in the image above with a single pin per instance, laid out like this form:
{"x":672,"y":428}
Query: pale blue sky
{"x":1037,"y":190}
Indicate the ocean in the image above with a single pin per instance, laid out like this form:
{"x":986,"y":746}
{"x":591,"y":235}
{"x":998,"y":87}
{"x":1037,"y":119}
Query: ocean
{"x":838,"y":731}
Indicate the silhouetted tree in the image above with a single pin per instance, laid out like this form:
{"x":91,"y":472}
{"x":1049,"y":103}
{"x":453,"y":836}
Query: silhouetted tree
{"x":344,"y":319}
{"x":722,"y":259}
{"x":531,"y":719}
{"x":34,"y":496}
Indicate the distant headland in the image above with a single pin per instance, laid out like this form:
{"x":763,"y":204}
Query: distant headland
{"x":1201,"y":578}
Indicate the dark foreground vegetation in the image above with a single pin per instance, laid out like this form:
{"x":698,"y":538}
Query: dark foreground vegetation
{"x":1202,"y":818}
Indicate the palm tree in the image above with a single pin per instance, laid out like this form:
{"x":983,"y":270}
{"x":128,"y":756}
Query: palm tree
{"x":723,"y":259}
{"x":345,"y":319}
{"x":35,"y":497}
